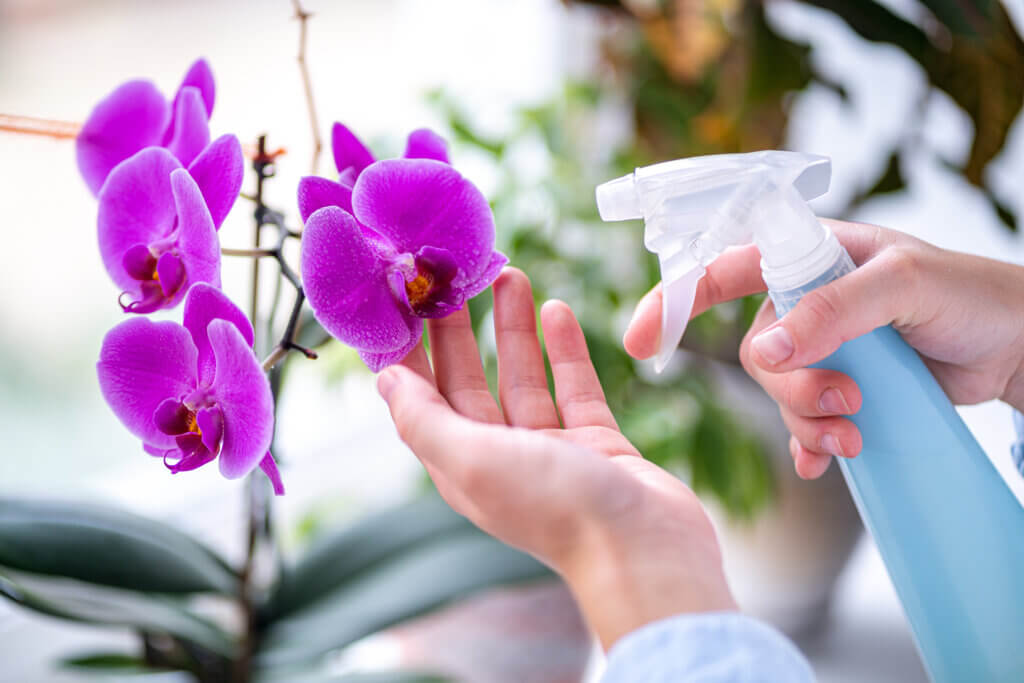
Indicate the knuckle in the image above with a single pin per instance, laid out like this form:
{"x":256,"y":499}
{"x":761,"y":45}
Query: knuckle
{"x":790,"y":392}
{"x":822,"y":306}
{"x":903,"y":264}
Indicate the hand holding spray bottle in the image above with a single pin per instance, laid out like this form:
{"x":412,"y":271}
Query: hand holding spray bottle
{"x":948,"y":528}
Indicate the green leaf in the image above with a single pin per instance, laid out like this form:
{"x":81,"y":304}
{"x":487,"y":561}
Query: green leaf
{"x":410,"y":584}
{"x":108,"y":663}
{"x":891,"y":179}
{"x":94,"y":604}
{"x":879,"y":24}
{"x":965,"y":17}
{"x":361,"y":546}
{"x":107,"y":546}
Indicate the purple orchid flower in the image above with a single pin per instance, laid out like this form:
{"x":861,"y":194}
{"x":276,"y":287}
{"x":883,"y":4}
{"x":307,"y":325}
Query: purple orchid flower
{"x":418,"y":243}
{"x":193,"y":392}
{"x":158,"y":222}
{"x":136,"y":115}
{"x":351,"y":157}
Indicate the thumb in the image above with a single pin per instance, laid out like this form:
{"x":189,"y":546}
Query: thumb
{"x":419,"y":412}
{"x":880,"y":292}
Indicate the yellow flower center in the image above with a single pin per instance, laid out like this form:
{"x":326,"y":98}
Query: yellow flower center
{"x":193,"y":424}
{"x":419,"y":289}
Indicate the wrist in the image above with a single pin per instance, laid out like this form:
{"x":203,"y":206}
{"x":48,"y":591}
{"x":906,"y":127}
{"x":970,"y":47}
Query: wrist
{"x":621,"y":586}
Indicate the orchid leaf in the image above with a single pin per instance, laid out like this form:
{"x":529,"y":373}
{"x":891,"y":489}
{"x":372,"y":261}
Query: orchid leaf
{"x":107,"y":546}
{"x":84,"y":602}
{"x":114,"y":663}
{"x":423,"y":578}
{"x":362,"y":546}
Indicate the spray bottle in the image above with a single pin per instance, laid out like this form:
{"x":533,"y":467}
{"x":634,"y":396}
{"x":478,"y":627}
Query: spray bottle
{"x":948,"y":528}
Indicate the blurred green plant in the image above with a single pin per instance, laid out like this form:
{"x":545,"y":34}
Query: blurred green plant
{"x":702,"y":77}
{"x":549,"y":227}
{"x":100,"y":565}
{"x":713,"y":76}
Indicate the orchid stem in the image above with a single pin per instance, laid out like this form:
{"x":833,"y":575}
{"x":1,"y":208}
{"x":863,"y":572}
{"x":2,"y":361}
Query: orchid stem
{"x":253,"y":253}
{"x":30,"y":125}
{"x":307,"y":83}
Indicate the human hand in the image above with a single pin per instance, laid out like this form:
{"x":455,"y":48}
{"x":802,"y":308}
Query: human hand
{"x":963,"y":314}
{"x":555,"y":478}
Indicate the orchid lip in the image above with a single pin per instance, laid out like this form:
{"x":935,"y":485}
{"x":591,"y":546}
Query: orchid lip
{"x":422,"y":283}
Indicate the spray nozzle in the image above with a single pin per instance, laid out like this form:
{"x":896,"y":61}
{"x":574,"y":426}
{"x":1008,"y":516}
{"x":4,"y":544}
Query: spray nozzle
{"x":696,"y":208}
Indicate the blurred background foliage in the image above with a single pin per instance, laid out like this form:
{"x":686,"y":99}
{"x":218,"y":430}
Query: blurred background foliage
{"x":703,"y":77}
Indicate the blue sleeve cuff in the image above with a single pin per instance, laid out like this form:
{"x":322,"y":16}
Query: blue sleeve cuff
{"x":724,"y":647}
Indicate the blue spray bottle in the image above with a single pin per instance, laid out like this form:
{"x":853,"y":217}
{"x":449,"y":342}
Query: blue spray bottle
{"x":948,"y":528}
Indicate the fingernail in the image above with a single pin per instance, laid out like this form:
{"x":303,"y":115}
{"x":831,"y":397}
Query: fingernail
{"x":830,"y":445}
{"x":833,"y":403}
{"x":774,"y":345}
{"x":386,"y":381}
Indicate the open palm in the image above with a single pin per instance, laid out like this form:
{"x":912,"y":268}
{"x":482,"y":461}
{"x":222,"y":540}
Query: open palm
{"x":554,"y":477}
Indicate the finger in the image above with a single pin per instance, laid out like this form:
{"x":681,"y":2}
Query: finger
{"x":807,"y":392}
{"x":808,"y":464}
{"x":522,"y":380}
{"x":457,"y":368}
{"x":883,"y":291}
{"x":417,"y":362}
{"x":827,"y":435}
{"x":736,"y":273}
{"x":414,"y":408}
{"x":862,"y":241}
{"x":426,"y":422}
{"x":643,"y":334}
{"x":578,"y":392}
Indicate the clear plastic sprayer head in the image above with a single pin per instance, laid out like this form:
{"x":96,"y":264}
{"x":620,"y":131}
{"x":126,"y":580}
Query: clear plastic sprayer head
{"x":695,"y":208}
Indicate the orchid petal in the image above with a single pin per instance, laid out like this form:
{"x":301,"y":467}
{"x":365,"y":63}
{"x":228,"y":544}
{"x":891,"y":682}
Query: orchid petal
{"x":348,"y":177}
{"x":193,"y":454}
{"x":490,"y":274}
{"x":243,"y":394}
{"x":171,"y":272}
{"x":163,"y":453}
{"x":426,"y":144}
{"x":205,"y":303}
{"x":171,"y":417}
{"x":198,"y":246}
{"x":269,"y":468}
{"x":149,"y":297}
{"x":141,"y":364}
{"x":218,"y":172}
{"x":138,"y":261}
{"x":190,"y":128}
{"x":211,"y":424}
{"x":420,"y":202}
{"x":378,"y":361}
{"x":345,"y":282}
{"x":200,"y":76}
{"x":349,"y":151}
{"x":316,"y":193}
{"x":135,"y":207}
{"x":130,"y":118}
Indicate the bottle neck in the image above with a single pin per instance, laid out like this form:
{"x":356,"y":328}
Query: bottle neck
{"x":786,"y":286}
